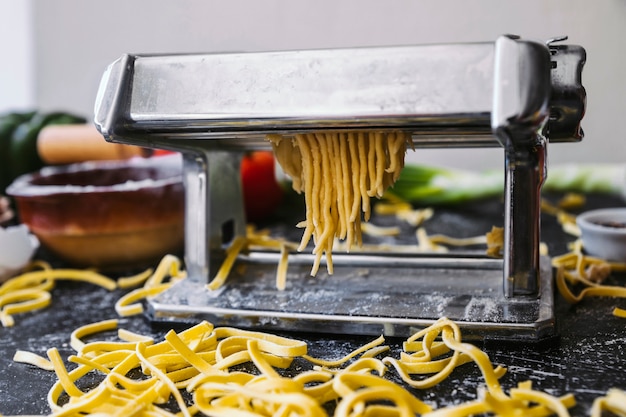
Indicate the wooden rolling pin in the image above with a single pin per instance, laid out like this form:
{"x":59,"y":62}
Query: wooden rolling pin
{"x":66,"y":144}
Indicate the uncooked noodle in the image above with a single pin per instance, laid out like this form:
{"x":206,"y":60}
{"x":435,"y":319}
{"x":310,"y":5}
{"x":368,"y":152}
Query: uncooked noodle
{"x":339,"y":172}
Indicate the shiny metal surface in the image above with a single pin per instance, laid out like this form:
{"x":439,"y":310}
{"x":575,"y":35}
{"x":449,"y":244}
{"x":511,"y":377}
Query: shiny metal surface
{"x":365,"y":297}
{"x":521,"y":109}
{"x":256,"y":93}
{"x":568,"y":99}
{"x":214,"y":210}
{"x":513,"y":93}
{"x":442,"y":94}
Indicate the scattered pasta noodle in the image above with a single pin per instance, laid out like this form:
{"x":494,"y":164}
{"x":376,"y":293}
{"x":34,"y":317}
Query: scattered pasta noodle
{"x":523,"y":401}
{"x":424,"y":355}
{"x":577,"y":271}
{"x":254,"y":240}
{"x":566,"y":281}
{"x":391,"y":205}
{"x":619,"y":312}
{"x":492,"y":240}
{"x":31,"y":290}
{"x":426,"y":243}
{"x":23,"y":356}
{"x":455,"y":241}
{"x":379,"y":231}
{"x":613,"y":402}
{"x":420,"y":357}
{"x":565,"y":219}
{"x":403,"y":210}
{"x":572,"y":201}
{"x":223,"y":371}
{"x":231,"y":372}
{"x":495,"y":242}
{"x":339,"y":172}
{"x":167,"y":273}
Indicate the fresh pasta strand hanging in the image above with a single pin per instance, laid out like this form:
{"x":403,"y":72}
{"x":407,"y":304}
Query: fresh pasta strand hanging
{"x":339,"y":172}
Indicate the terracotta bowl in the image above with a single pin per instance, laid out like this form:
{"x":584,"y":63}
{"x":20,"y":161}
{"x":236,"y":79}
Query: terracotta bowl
{"x":105,"y":214}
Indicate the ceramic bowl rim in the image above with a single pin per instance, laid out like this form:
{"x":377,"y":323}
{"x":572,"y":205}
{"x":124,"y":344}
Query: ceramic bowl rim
{"x":23,"y":187}
{"x":586,"y":219}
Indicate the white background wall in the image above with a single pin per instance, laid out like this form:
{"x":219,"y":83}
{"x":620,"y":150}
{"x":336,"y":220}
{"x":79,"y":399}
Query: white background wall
{"x":17,"y":56}
{"x":74,"y":40}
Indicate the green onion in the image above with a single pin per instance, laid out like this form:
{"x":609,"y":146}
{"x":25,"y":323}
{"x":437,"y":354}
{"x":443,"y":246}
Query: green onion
{"x":587,"y":178}
{"x":428,"y":185}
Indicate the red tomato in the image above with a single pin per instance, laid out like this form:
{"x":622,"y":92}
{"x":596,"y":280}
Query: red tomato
{"x":159,"y":152}
{"x":261,"y":192}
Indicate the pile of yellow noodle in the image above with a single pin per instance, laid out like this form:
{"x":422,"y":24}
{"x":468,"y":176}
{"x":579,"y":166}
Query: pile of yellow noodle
{"x":140,"y":376}
{"x":339,"y":172}
{"x":199,"y":370}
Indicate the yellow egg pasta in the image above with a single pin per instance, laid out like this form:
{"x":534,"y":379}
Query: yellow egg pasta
{"x":75,"y":337}
{"x":23,"y":356}
{"x":255,"y":240}
{"x":334,"y":363}
{"x":423,"y":358}
{"x":128,"y":336}
{"x":64,"y":377}
{"x":547,"y":404}
{"x":231,"y":255}
{"x":129,"y":304}
{"x":614,"y":402}
{"x":31,"y":290}
{"x":575,"y":269}
{"x":169,"y":266}
{"x":167,"y":273}
{"x":495,"y":242}
{"x":373,"y":230}
{"x":21,"y":301}
{"x":357,"y":389}
{"x":595,"y":290}
{"x":193,"y":371}
{"x":135,"y":280}
{"x":339,"y":172}
{"x":567,"y":220}
{"x":403,"y":210}
{"x":455,"y":241}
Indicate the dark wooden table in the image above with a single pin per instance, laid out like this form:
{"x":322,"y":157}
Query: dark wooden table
{"x":587,"y":358}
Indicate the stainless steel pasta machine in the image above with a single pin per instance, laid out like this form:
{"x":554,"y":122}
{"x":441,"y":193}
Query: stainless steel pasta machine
{"x":513,"y":93}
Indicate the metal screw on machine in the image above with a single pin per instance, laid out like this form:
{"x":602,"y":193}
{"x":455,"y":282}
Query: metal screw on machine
{"x":516,"y":94}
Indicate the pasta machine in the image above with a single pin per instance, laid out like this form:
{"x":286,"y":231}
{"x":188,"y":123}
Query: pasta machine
{"x":513,"y":93}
